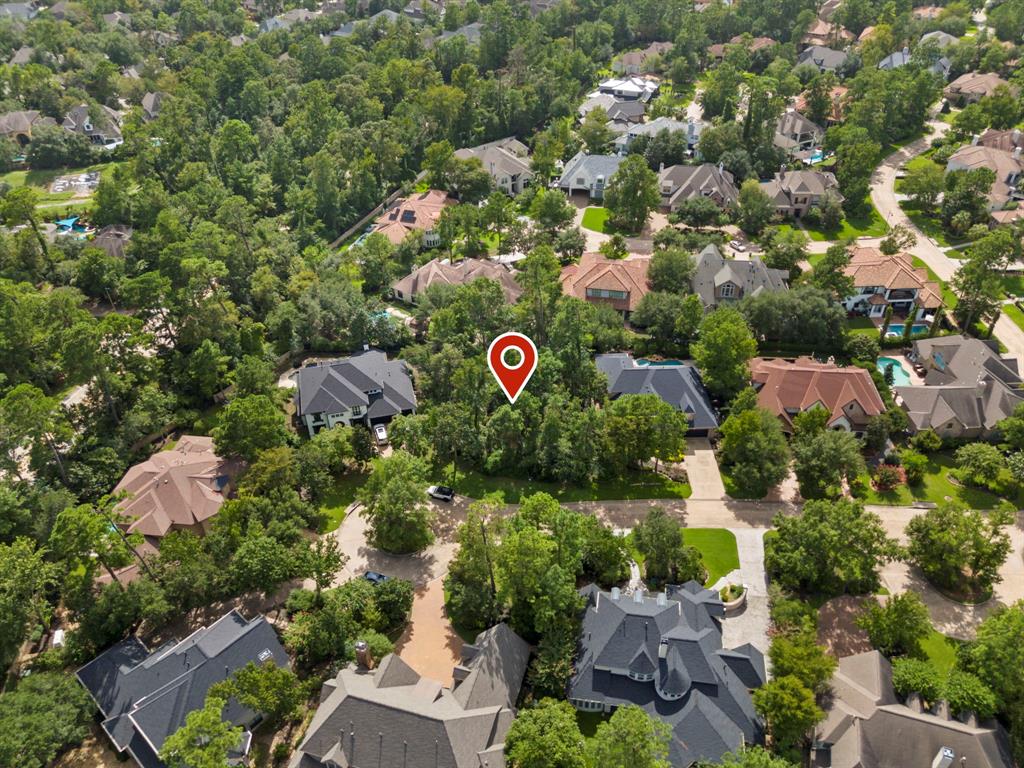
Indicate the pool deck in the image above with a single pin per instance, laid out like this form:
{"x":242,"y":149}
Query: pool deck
{"x":915,"y":379}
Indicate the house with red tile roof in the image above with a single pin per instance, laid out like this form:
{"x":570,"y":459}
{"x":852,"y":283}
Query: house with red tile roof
{"x":880,"y":281}
{"x":417,"y":213}
{"x":787,"y":388}
{"x":599,"y":280}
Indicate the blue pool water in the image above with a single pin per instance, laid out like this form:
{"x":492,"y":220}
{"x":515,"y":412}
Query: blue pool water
{"x":644,"y":362}
{"x":900,"y":377}
{"x":896,"y":329}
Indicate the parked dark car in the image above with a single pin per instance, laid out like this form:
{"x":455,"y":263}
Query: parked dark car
{"x":375,"y":578}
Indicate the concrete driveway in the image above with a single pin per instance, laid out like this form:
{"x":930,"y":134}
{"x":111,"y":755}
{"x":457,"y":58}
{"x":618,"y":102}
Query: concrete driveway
{"x":429,"y":644}
{"x":702,"y":470}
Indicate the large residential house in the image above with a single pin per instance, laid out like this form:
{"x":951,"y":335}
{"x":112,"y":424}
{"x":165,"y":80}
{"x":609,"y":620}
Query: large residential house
{"x":366,"y":388}
{"x":102,"y":127}
{"x":678,"y":183}
{"x":589,"y":174}
{"x":438,"y":272}
{"x":391,"y":717}
{"x":825,"y":33}
{"x":151,"y":105}
{"x":1007,"y":166}
{"x":796,"y":192}
{"x":638,"y":62}
{"x":621,"y":283}
{"x":717,"y":51}
{"x":941,"y":39}
{"x":968,"y":388}
{"x":718,"y":280}
{"x":288,"y":19}
{"x":678,"y":385}
{"x":797,"y":135}
{"x":144,"y":696}
{"x":882,"y":281}
{"x":692,"y":129}
{"x":506,"y":160}
{"x":867,"y":726}
{"x":381,"y":18}
{"x":633,"y":88}
{"x":972,"y":86}
{"x":18,"y":126}
{"x":824,"y":58}
{"x":1007,"y":141}
{"x":788,"y":388}
{"x":838,"y":110}
{"x":419,"y":212}
{"x":19,"y":11}
{"x":177,"y":490}
{"x":663,"y":653}
{"x":469,"y":32}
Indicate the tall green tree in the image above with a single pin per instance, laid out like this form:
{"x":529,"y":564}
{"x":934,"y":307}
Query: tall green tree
{"x":632,"y":193}
{"x":546,"y":736}
{"x":204,"y":741}
{"x":394,"y":503}
{"x":630,"y":739}
{"x":789,"y":710}
{"x":723,"y":350}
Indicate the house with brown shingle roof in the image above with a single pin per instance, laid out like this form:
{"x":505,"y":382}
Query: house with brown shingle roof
{"x":638,"y":62}
{"x":717,"y":51}
{"x":880,"y":281}
{"x":19,"y":125}
{"x":788,"y":388}
{"x":1007,"y":166}
{"x":417,"y":213}
{"x":826,"y":34}
{"x":177,"y":490}
{"x":867,"y":726}
{"x":622,"y":283}
{"x":796,"y":192}
{"x":1007,"y":141}
{"x":972,"y":86}
{"x":438,"y":272}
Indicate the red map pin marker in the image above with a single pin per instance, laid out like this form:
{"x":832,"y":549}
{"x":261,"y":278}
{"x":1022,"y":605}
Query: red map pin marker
{"x":512,"y":378}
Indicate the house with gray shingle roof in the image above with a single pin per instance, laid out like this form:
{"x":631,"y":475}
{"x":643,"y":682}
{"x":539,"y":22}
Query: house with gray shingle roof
{"x":19,"y":11}
{"x":678,"y":385}
{"x":718,"y":280}
{"x":867,"y":726}
{"x":968,"y":388}
{"x":506,"y":160}
{"x":825,"y":59}
{"x":797,"y":135}
{"x":366,"y":388}
{"x":663,"y":652}
{"x":692,"y":129}
{"x":145,"y":695}
{"x":391,"y":716}
{"x":589,"y":173}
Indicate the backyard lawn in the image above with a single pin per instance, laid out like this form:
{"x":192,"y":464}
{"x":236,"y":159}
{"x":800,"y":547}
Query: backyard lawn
{"x":862,"y":325}
{"x":936,"y":486}
{"x":594,"y":218}
{"x":1013,"y":312}
{"x":869,"y":224}
{"x":337,"y":499}
{"x":43,"y":179}
{"x":940,"y":650}
{"x":633,"y":485}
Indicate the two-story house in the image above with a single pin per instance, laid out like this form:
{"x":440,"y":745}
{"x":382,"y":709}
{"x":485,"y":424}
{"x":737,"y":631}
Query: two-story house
{"x":1008,"y":168}
{"x":797,"y":135}
{"x":633,"y":88}
{"x":663,"y":652}
{"x":100,"y":125}
{"x":796,"y":192}
{"x":718,"y":280}
{"x":678,"y":183}
{"x":880,"y":281}
{"x":788,"y":388}
{"x":691,"y":127}
{"x":366,"y":388}
{"x":506,"y":160}
{"x":622,"y":283}
{"x":589,"y":174}
{"x":417,"y":213}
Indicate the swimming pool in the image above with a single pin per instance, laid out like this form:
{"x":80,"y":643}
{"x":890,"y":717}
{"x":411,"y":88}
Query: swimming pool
{"x":896,"y":329}
{"x":900,"y":377}
{"x":644,"y":362}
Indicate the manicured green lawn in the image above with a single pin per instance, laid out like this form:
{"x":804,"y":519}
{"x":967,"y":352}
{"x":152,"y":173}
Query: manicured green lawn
{"x":1013,"y":284}
{"x":868,"y":224}
{"x":43,"y":179}
{"x":717,"y":550}
{"x":633,"y":485}
{"x":930,"y":226}
{"x":862,"y":325}
{"x":935,"y":488}
{"x":1014,"y":313}
{"x":594,"y":218}
{"x":940,"y":650}
{"x":949,"y":298}
{"x":337,"y":499}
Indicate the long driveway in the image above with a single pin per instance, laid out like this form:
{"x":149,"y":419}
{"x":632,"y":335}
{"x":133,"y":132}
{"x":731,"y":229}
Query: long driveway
{"x":883,"y":195}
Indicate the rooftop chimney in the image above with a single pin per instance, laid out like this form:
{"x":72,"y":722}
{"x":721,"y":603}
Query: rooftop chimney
{"x":943,"y":758}
{"x":906,"y":51}
{"x":974,"y":140}
{"x":1016,"y":152}
{"x":914,"y":701}
{"x":942,"y":710}
{"x":616,"y":593}
{"x":363,"y":655}
{"x":638,"y":596}
{"x":662,"y":598}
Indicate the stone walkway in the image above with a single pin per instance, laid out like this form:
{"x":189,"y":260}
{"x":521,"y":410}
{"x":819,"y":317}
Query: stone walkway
{"x":750,"y":624}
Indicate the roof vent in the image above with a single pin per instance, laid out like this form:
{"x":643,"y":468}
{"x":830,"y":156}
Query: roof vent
{"x":944,"y":758}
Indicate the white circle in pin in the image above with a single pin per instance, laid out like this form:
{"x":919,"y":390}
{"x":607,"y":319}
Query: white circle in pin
{"x":522,"y":357}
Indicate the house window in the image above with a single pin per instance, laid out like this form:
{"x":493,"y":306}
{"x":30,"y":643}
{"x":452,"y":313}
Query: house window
{"x":728,"y":291}
{"x":357,"y":410}
{"x":601,"y":293}
{"x":580,"y":181}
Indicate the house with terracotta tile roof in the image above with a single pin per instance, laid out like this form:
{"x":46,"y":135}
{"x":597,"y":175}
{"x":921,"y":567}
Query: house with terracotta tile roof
{"x":838,"y":98}
{"x":825,"y":33}
{"x":787,"y":388}
{"x":972,"y":86}
{"x":755,"y":44}
{"x":438,"y":272}
{"x":638,"y":62}
{"x":620,"y":283}
{"x":881,"y":281}
{"x":177,"y":490}
{"x":417,"y":213}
